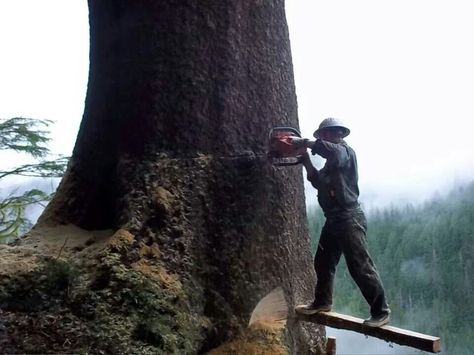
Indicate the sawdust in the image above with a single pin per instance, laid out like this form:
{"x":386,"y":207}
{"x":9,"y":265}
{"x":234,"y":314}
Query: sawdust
{"x":158,"y":273}
{"x":66,"y":240}
{"x":15,"y":260}
{"x":149,"y":251}
{"x":61,"y":241}
{"x":260,"y":339}
{"x":265,"y":332}
{"x":269,"y":325}
{"x":120,"y":241}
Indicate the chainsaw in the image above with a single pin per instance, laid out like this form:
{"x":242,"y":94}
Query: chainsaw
{"x":286,"y":146}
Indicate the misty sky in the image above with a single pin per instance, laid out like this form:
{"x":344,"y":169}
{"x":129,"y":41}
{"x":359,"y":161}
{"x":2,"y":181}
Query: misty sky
{"x":399,"y":74}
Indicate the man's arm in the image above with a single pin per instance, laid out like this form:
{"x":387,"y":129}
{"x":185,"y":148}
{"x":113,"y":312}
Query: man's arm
{"x":312,"y":172}
{"x":336,"y":154}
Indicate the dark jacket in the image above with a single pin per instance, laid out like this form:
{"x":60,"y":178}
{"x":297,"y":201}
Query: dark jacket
{"x":337,"y":181}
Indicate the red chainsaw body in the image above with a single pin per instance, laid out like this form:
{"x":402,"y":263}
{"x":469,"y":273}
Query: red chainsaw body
{"x":281,"y":151}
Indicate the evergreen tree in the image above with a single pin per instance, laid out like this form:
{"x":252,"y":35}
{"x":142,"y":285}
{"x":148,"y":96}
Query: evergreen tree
{"x":29,"y":136}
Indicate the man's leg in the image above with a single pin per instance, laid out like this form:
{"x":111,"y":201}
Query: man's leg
{"x":325,"y":261}
{"x":362,"y":268}
{"x":327,"y":257}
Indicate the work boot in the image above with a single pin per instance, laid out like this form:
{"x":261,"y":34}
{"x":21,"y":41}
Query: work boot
{"x":378,"y":320}
{"x":312,"y":308}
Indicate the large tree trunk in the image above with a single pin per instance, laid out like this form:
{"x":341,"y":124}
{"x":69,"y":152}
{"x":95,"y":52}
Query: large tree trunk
{"x":171,"y":157}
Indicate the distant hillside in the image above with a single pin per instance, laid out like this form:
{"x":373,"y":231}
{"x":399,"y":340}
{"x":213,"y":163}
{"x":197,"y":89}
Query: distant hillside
{"x":425,"y":255}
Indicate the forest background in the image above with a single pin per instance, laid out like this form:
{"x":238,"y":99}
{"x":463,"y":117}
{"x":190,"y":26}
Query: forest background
{"x":425,"y":256}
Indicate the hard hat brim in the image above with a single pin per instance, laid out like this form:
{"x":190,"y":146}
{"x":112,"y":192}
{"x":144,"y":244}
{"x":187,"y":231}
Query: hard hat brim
{"x":345,"y":131}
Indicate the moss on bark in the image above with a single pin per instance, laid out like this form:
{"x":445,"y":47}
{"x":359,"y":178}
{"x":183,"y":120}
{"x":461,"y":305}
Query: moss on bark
{"x":62,"y":306}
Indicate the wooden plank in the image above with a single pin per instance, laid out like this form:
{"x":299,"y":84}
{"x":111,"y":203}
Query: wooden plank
{"x":388,"y":333}
{"x":331,"y":346}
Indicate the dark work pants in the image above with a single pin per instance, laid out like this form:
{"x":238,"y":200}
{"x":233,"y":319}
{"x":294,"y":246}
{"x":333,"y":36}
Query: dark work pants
{"x":347,"y":235}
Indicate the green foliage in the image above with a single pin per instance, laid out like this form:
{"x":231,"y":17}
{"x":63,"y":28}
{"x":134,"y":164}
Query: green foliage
{"x":44,"y":169}
{"x":60,"y":275}
{"x":12,"y":212}
{"x":25,"y":135}
{"x":27,"y":293}
{"x":425,"y":256}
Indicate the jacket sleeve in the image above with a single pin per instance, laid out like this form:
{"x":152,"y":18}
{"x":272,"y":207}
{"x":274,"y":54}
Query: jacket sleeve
{"x":335,"y":154}
{"x":313,"y":177}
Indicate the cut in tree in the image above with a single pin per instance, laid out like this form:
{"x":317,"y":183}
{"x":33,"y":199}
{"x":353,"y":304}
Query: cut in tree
{"x":170,"y":224}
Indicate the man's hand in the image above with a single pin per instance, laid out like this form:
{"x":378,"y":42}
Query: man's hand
{"x":298,"y":142}
{"x":313,"y":147}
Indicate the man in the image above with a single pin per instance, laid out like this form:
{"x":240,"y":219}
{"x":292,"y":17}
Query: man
{"x":345,"y":229}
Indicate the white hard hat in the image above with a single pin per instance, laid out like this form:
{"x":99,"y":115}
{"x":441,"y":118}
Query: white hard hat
{"x":332,"y":123}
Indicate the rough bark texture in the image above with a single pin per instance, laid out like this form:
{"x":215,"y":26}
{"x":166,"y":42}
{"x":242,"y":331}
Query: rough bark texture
{"x":171,"y":150}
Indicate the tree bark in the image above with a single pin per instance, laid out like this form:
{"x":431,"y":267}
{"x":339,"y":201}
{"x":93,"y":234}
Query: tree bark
{"x":172,"y":151}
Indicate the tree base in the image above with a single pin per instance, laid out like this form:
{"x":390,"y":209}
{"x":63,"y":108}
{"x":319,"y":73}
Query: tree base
{"x":82,"y":295}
